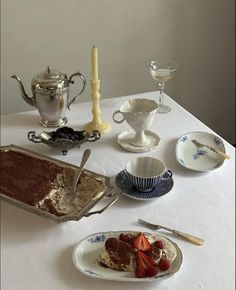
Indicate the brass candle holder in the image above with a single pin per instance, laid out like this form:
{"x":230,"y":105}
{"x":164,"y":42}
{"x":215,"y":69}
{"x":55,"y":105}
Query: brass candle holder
{"x":96,"y":123}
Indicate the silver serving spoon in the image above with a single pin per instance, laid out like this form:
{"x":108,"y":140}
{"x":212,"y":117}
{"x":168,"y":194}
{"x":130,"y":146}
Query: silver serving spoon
{"x":84,"y":160}
{"x":70,"y":197}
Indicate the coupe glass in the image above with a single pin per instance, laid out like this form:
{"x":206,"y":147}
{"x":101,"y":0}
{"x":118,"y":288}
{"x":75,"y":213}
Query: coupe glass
{"x":161,"y":71}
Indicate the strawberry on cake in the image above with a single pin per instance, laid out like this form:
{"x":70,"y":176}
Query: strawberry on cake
{"x":145,"y":255}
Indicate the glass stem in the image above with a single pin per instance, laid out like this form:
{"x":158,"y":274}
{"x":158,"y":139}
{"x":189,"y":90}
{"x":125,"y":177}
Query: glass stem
{"x":161,"y":96}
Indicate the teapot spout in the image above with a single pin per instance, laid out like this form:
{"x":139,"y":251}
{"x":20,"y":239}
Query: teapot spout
{"x":30,"y":101}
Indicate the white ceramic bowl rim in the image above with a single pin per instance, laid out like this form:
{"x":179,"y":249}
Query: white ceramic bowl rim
{"x":137,"y":106}
{"x":145,"y":167}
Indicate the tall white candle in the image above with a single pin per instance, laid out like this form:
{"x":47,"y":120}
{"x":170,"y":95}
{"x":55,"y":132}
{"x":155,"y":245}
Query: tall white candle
{"x":94,"y":63}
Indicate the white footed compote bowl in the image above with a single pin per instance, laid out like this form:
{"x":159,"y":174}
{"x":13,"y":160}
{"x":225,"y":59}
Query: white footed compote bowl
{"x":162,"y":71}
{"x":139,"y":114}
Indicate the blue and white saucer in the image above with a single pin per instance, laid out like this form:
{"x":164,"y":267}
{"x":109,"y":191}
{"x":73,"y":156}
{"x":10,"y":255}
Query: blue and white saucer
{"x":129,"y":190}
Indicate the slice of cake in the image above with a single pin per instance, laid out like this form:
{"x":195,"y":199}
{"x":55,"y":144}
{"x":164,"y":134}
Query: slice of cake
{"x":118,"y":255}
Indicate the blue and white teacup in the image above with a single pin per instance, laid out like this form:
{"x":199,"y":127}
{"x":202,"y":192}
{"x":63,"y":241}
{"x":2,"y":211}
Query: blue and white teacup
{"x":145,"y":173}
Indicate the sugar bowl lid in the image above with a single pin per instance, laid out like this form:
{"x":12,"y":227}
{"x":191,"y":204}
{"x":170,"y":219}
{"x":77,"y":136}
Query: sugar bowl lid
{"x":49,"y":79}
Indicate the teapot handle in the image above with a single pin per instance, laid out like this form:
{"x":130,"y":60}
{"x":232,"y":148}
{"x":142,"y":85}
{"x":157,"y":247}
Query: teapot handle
{"x":72,"y":82}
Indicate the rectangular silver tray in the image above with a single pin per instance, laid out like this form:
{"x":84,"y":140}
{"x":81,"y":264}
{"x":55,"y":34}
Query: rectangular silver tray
{"x":77,"y":213}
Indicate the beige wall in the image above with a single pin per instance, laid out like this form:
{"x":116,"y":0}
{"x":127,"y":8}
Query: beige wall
{"x":198,"y":34}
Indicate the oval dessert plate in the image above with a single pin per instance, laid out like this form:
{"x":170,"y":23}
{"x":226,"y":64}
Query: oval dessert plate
{"x":87,"y":252}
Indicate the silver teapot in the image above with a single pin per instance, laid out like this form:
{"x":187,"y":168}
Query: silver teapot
{"x":51,"y":95}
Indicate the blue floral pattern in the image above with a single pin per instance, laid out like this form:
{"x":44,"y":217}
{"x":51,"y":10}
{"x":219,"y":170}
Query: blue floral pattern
{"x":217,"y":141}
{"x":184,"y":139}
{"x":181,"y":161}
{"x":199,"y":158}
{"x":92,"y":273}
{"x":199,"y":153}
{"x":97,"y":239}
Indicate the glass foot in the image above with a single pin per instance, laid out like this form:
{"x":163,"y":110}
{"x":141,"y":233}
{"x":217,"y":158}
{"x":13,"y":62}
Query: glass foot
{"x":58,"y":123}
{"x":162,"y":109}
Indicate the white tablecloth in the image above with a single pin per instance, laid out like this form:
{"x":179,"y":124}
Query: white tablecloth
{"x":37,"y":253}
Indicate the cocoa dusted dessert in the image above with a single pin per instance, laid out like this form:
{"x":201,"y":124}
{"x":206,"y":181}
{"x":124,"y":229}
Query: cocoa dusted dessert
{"x":25,"y":178}
{"x":43,"y":184}
{"x":118,"y":255}
{"x":146,"y":256}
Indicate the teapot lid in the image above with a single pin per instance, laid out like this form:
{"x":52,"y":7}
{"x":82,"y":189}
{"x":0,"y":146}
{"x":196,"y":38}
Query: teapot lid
{"x":50,"y":79}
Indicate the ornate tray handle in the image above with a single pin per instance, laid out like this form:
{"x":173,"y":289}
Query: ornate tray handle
{"x":95,"y":135}
{"x":32,"y":137}
{"x":113,"y":198}
{"x":116,"y":197}
{"x":62,"y":143}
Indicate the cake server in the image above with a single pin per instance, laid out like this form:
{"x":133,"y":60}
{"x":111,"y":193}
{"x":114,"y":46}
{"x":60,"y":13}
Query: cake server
{"x":188,"y":237}
{"x":222,"y":154}
{"x":84,"y":160}
{"x":71,"y":197}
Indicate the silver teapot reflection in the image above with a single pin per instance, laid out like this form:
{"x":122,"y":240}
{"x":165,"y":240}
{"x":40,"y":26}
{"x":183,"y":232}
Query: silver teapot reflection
{"x":51,"y":95}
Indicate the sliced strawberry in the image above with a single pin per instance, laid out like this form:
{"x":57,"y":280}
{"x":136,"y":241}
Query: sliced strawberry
{"x":140,"y":272}
{"x":152,"y":271}
{"x":142,"y":243}
{"x":144,"y":260}
{"x":164,"y":264}
{"x":145,"y":266}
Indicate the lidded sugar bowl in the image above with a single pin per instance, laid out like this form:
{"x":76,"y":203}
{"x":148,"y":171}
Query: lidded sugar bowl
{"x":50,"y":90}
